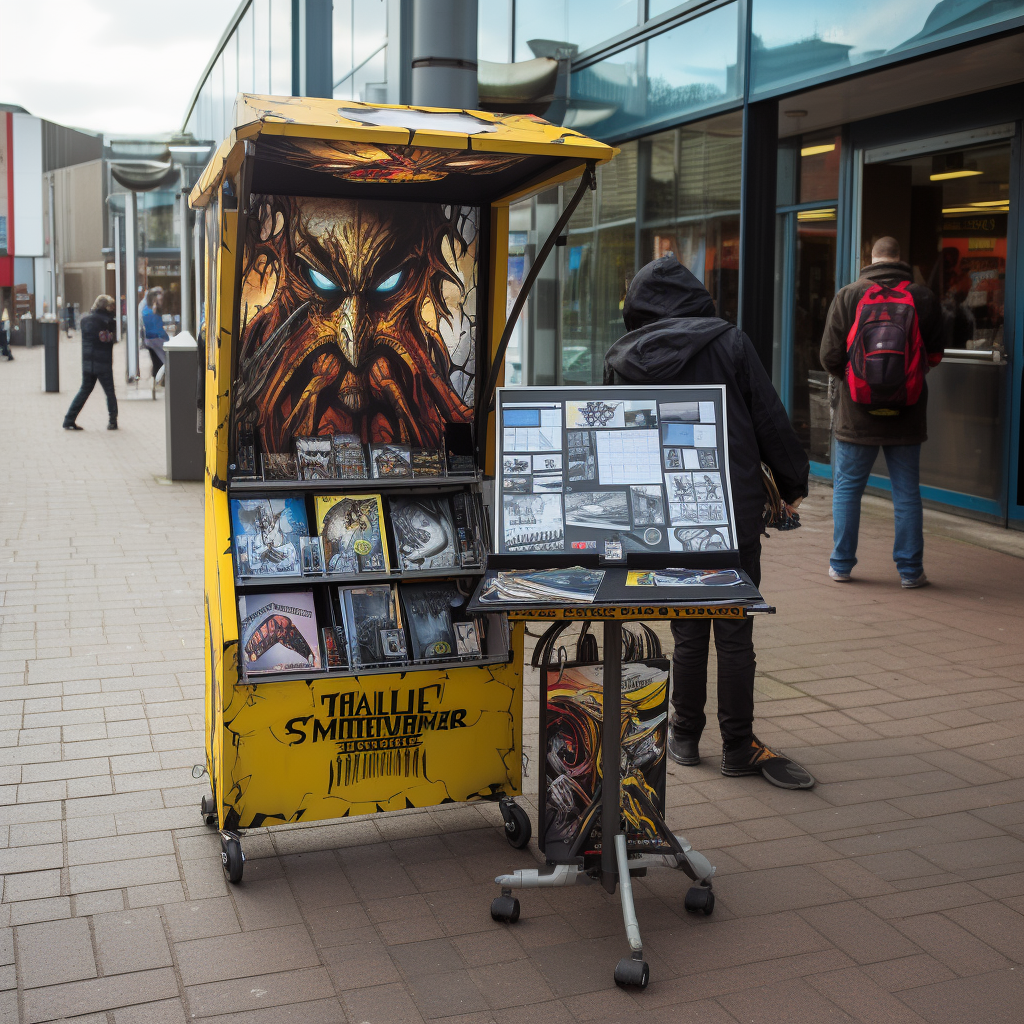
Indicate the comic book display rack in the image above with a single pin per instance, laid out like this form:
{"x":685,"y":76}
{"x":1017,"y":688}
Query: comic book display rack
{"x":612,"y":504}
{"x":355,"y":279}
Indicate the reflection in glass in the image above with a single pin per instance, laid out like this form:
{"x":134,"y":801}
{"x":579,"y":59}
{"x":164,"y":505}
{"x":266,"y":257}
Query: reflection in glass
{"x":949,"y":212}
{"x":494,"y":31}
{"x":261,"y":46}
{"x":691,"y":201}
{"x":281,"y":47}
{"x":819,"y":167}
{"x":814,"y":288}
{"x":687,"y":68}
{"x":577,"y":24}
{"x":244,"y":34}
{"x":359,"y":46}
{"x":794,"y":40}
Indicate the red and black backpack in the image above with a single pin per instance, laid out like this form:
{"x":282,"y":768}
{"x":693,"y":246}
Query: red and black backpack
{"x":885,"y":353}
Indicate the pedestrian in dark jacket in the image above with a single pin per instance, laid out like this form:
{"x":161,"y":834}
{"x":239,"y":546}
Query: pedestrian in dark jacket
{"x":99,"y":333}
{"x":860,"y":429}
{"x":675,"y":337}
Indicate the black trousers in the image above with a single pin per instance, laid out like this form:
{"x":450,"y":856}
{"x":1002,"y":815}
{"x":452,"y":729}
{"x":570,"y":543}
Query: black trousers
{"x":91,"y":373}
{"x":734,"y":642}
{"x":155,"y":360}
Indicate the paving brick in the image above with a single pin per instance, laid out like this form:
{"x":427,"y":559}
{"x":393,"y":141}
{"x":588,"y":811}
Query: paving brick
{"x":55,"y":952}
{"x":287,"y":988}
{"x":128,"y":941}
{"x":60,"y":1001}
{"x":858,"y":932}
{"x":118,"y":874}
{"x":995,"y":998}
{"x":244,"y":954}
{"x":952,"y":945}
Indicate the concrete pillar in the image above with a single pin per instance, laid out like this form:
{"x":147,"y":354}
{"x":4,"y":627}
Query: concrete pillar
{"x":444,"y":54}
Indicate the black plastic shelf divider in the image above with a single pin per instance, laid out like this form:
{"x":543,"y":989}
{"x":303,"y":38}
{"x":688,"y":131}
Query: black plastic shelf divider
{"x":437,"y":483}
{"x":400,"y":667}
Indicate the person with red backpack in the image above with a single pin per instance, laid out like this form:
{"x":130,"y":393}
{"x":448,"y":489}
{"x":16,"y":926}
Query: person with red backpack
{"x":882,"y":334}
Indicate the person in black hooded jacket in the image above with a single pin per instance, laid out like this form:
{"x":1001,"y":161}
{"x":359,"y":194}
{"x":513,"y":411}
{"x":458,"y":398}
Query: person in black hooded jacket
{"x":99,"y":333}
{"x":675,"y":337}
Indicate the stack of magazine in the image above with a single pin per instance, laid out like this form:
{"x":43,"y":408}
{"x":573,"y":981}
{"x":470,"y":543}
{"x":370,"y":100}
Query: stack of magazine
{"x":372,"y":626}
{"x":575,"y":585}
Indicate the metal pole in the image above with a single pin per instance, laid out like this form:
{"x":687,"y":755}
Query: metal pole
{"x":186,"y":272}
{"x":131,"y":260}
{"x":117,"y":274}
{"x":610,"y":753}
{"x":53,"y":247}
{"x":200,"y":265}
{"x":444,"y":62}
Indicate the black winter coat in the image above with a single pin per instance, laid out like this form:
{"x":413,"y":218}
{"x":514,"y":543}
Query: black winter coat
{"x":99,"y":332}
{"x":675,"y":338}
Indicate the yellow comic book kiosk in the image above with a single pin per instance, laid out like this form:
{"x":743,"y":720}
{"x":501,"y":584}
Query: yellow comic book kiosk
{"x":356,"y":283}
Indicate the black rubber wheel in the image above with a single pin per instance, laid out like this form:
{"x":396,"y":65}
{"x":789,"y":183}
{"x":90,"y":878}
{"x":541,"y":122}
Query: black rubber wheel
{"x":700,"y":900}
{"x":519,"y":829}
{"x":505,"y":908}
{"x":231,"y":859}
{"x":634,"y":973}
{"x":208,"y":812}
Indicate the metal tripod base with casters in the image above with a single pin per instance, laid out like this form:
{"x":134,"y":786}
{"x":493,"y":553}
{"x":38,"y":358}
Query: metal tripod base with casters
{"x":617,"y":864}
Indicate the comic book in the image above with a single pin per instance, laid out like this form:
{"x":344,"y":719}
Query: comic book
{"x":390,"y":460}
{"x":373,"y":625}
{"x":267,"y":534}
{"x":352,"y":530}
{"x":279,"y":632}
{"x":313,"y":455}
{"x":424,"y":533}
{"x":349,"y":457}
{"x":428,"y":619}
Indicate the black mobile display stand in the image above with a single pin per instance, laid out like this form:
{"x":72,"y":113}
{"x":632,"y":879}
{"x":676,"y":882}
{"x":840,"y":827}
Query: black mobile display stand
{"x":615,"y":861}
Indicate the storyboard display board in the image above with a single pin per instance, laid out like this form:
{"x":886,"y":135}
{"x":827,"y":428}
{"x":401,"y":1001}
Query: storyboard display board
{"x":612,"y":470}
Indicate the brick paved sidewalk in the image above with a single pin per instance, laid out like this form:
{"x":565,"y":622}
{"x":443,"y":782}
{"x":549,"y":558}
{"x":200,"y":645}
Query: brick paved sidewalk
{"x":892,"y":892}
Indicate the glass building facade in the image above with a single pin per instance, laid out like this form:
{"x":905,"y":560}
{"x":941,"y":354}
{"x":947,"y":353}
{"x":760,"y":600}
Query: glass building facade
{"x":767,"y":143}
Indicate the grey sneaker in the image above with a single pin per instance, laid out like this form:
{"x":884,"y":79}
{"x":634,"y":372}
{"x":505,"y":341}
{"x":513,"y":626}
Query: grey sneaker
{"x":839,"y":577}
{"x":908,"y":584}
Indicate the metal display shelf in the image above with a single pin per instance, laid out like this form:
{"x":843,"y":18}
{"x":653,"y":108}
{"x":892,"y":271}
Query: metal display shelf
{"x":353,"y":579}
{"x":436,"y":483}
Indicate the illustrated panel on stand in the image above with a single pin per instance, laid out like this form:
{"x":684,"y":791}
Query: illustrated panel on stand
{"x":570,"y":824}
{"x":358,"y":322}
{"x":613,"y":471}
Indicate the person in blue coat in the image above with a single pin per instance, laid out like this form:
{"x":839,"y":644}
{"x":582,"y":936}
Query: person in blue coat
{"x":153,"y":328}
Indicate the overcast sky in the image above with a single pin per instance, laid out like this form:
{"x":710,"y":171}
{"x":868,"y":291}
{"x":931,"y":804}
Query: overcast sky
{"x":119,"y":66}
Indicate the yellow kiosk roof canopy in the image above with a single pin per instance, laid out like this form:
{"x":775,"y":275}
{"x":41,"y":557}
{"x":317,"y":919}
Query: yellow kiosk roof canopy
{"x":343,"y":147}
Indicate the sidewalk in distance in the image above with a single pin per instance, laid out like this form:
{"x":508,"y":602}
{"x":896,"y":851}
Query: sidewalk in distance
{"x":892,"y":892}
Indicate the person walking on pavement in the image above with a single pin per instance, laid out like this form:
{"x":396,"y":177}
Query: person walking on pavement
{"x":99,"y":332}
{"x":881,"y":336}
{"x":5,"y":335}
{"x":676,"y":338}
{"x":153,"y":326}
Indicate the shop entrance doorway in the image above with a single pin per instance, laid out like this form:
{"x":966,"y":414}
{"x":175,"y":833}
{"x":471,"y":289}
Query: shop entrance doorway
{"x":948,"y":205}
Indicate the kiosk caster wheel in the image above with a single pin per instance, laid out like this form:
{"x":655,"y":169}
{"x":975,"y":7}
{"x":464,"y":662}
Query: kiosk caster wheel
{"x":631,"y":972}
{"x":505,"y":908}
{"x":699,"y":900}
{"x":208,"y":811}
{"x":232,"y":858}
{"x":517,"y":824}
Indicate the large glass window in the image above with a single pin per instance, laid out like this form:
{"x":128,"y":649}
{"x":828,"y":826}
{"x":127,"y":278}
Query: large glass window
{"x":544,"y":25}
{"x":686,"y":185}
{"x":360,"y":36}
{"x":494,"y":31}
{"x":281,"y":47}
{"x":691,"y":202}
{"x":793,"y":40}
{"x":261,"y":46}
{"x":687,"y":68}
{"x":244,"y":34}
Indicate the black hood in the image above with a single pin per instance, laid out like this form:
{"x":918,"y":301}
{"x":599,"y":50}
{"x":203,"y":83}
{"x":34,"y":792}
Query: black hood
{"x":662,"y":290}
{"x":670,"y":317}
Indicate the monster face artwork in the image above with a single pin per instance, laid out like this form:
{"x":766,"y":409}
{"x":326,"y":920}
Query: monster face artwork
{"x":357,"y":317}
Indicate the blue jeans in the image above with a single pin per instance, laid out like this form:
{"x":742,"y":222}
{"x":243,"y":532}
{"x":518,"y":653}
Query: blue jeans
{"x":851,"y":465}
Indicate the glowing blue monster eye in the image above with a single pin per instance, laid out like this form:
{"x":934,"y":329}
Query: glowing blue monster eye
{"x":325,"y":284}
{"x":389,"y":284}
